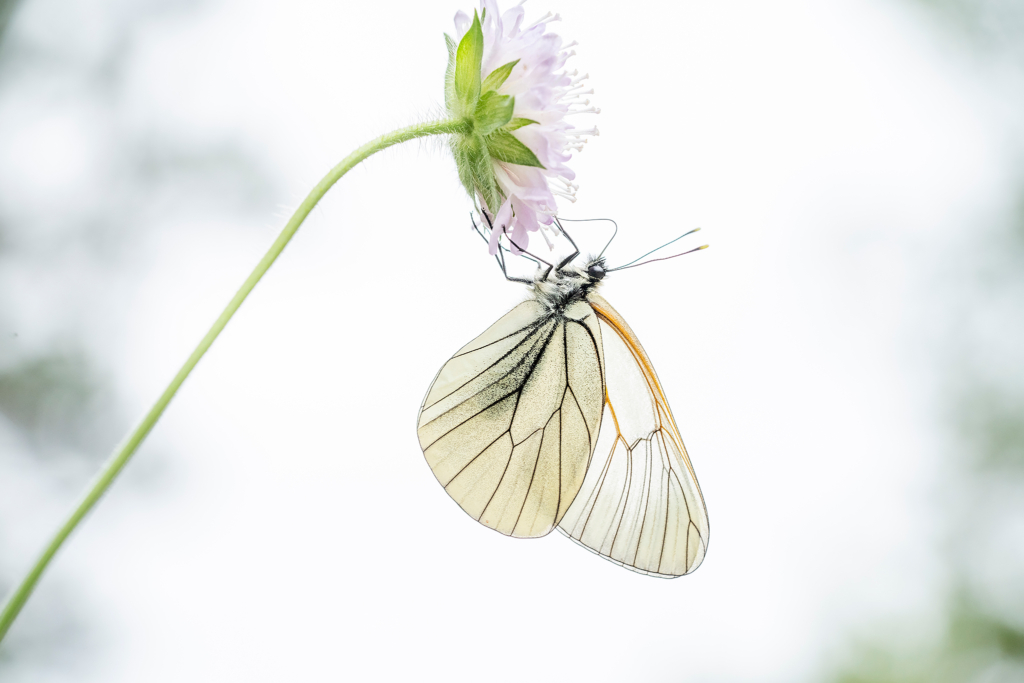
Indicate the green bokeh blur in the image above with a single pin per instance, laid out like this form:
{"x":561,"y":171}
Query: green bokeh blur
{"x":976,"y":630}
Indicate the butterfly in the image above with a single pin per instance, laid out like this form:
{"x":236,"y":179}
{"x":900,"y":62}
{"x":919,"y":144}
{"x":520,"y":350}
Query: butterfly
{"x":555,"y":418}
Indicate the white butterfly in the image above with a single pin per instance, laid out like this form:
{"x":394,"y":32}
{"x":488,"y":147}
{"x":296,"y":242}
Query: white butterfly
{"x":554,"y":416}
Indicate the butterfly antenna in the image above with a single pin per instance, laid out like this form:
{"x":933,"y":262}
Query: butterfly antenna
{"x":627,"y":265}
{"x":666,"y":258}
{"x":587,"y":220}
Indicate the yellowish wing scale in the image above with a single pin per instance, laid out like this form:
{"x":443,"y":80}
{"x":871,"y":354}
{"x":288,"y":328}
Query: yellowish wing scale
{"x":510,"y":423}
{"x":640,"y":505}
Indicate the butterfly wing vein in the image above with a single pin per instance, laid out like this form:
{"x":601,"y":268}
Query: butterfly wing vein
{"x":640,"y":505}
{"x":509,"y":424}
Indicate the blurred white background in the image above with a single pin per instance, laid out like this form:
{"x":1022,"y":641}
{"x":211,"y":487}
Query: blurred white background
{"x":280,"y":523}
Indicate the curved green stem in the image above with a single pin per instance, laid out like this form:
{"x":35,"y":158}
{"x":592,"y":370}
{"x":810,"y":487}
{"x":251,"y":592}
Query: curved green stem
{"x":124,"y":452}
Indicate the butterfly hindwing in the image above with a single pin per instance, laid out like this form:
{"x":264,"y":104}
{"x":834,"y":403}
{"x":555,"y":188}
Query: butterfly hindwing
{"x":640,"y":505}
{"x":510,"y":423}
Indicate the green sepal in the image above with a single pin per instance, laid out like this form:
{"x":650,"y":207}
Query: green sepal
{"x":493,"y":111}
{"x":468,"y":58}
{"x":517,"y":123}
{"x":504,"y":146}
{"x":476,"y":170}
{"x":463,"y":162}
{"x":483,"y":169}
{"x":496,"y":78}
{"x":449,"y":74}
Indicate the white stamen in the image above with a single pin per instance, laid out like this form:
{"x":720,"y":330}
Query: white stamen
{"x":567,"y":196}
{"x":549,"y":229}
{"x":546,"y":19}
{"x":544,"y":234}
{"x":546,"y":15}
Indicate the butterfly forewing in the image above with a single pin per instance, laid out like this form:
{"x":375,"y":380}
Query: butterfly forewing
{"x":639,"y":505}
{"x":510,"y":422}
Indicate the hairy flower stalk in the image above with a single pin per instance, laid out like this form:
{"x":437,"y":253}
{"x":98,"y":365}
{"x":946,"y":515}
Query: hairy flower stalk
{"x":510,"y":81}
{"x":507,"y":96}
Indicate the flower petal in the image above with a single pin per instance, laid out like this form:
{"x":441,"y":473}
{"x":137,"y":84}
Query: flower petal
{"x":500,"y":225}
{"x":545,"y":93}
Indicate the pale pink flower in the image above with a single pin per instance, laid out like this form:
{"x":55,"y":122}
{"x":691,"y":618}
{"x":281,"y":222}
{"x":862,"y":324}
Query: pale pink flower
{"x":544,"y":92}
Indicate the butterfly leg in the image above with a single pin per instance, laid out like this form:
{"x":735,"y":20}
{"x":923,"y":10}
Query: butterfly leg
{"x":500,"y":256}
{"x":574,"y":254}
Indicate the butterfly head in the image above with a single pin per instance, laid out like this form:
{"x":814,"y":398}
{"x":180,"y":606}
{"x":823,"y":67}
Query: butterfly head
{"x":595,"y":270}
{"x":558,"y":287}
{"x":588,"y":274}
